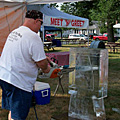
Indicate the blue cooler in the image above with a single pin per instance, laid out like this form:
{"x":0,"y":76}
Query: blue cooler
{"x":42,"y":93}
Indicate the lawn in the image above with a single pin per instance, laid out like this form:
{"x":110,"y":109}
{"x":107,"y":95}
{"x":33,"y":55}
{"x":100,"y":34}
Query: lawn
{"x":59,"y":103}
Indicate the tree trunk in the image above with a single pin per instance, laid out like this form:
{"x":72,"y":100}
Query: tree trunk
{"x":110,"y":32}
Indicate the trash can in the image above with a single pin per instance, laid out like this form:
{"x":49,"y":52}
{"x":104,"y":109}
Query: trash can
{"x":97,"y":44}
{"x":54,"y":42}
{"x":58,"y":43}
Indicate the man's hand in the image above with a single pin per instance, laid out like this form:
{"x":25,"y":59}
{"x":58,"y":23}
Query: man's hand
{"x":43,"y":64}
{"x":54,"y":73}
{"x":48,"y":59}
{"x":52,"y":64}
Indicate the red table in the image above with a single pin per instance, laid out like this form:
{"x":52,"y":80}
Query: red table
{"x":62,"y":57}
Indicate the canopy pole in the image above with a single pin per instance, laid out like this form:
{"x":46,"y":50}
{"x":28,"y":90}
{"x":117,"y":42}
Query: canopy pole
{"x":61,"y":35}
{"x":43,"y":30}
{"x":43,"y":33}
{"x":88,"y":32}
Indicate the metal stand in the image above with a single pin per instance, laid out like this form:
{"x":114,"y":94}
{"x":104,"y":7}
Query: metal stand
{"x":64,"y":71}
{"x":59,"y":84}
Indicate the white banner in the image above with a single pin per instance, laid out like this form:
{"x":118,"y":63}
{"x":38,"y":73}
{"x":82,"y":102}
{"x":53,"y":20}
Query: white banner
{"x":69,"y":23}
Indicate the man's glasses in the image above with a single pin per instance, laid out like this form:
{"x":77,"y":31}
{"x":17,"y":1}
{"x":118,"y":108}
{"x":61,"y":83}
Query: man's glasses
{"x":41,"y":22}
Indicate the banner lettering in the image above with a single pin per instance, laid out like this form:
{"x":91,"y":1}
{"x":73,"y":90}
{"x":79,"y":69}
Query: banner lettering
{"x":56,"y":21}
{"x":66,"y":22}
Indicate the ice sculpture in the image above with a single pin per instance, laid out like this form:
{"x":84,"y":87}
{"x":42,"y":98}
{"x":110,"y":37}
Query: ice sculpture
{"x":88,"y":83}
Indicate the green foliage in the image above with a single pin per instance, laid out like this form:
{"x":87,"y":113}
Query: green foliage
{"x":99,"y":10}
{"x":105,"y":11}
{"x":54,"y":5}
{"x":103,"y":29}
{"x":81,"y":9}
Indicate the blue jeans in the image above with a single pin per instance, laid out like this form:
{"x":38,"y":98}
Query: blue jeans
{"x":16,"y":100}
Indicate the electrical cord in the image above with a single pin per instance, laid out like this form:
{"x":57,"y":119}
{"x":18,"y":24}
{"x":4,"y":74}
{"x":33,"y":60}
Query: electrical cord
{"x":34,"y":102}
{"x":35,"y":112}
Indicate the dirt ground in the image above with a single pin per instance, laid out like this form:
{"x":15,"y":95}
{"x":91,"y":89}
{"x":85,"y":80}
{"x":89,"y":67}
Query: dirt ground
{"x":59,"y":104}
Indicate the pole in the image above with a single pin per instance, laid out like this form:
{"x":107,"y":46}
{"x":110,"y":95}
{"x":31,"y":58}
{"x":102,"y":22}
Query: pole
{"x":43,"y":30}
{"x":88,"y":32}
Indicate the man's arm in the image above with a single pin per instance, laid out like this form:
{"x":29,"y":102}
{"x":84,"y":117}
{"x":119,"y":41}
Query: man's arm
{"x":50,"y":72}
{"x":43,"y":64}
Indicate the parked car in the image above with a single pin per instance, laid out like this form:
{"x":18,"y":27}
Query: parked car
{"x":80,"y":36}
{"x":51,"y":35}
{"x":101,"y":37}
{"x":91,"y":35}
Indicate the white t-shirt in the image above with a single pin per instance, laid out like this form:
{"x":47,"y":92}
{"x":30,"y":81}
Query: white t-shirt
{"x":17,"y":63}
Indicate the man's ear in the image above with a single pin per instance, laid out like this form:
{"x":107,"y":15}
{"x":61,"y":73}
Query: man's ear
{"x":35,"y":21}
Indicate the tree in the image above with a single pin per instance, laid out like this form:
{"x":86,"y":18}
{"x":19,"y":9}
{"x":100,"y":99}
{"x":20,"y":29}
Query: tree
{"x":105,"y":11}
{"x":81,"y":9}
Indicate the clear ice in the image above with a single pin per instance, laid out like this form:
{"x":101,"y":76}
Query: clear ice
{"x":88,"y":83}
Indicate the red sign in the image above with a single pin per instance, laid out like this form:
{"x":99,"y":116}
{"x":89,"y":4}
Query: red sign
{"x":59,"y":22}
{"x":56,"y":21}
{"x":67,"y":22}
{"x":78,"y":23}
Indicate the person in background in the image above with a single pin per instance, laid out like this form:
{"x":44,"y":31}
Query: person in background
{"x":22,"y":55}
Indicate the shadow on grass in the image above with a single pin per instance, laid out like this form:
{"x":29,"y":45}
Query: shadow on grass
{"x":114,"y":64}
{"x":52,"y":51}
{"x":58,"y":105}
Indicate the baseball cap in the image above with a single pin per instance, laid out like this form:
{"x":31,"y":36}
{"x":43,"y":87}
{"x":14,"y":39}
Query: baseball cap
{"x":34,"y":14}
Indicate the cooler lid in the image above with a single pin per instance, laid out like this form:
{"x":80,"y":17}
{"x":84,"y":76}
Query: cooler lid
{"x":41,"y":85}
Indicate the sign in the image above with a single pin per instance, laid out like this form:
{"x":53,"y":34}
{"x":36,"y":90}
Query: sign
{"x":60,"y":22}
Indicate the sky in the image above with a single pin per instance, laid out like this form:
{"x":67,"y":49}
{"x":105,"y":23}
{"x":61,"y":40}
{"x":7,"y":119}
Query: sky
{"x":59,"y":6}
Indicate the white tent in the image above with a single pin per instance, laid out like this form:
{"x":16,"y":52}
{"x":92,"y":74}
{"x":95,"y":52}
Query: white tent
{"x":12,"y":13}
{"x":44,"y":1}
{"x":11,"y":16}
{"x":116,"y":25}
{"x":56,"y":18}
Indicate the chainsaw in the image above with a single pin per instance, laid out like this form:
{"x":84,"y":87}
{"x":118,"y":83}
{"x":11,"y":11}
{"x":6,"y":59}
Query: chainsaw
{"x":55,"y":71}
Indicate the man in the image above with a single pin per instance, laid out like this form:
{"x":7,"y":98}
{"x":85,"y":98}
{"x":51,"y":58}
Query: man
{"x":22,"y":55}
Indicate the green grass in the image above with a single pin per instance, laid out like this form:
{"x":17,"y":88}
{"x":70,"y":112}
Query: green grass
{"x":59,"y":103}
{"x":64,"y":48}
{"x":113,"y":98}
{"x":114,"y":64}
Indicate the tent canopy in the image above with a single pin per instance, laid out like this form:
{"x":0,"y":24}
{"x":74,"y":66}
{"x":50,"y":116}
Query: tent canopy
{"x":56,"y":18}
{"x":116,"y":26}
{"x":49,"y":28}
{"x":44,"y":1}
{"x":12,"y":14}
